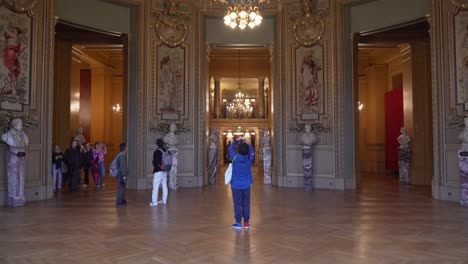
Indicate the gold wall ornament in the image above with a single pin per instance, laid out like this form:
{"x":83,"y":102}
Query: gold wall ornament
{"x":460,"y":3}
{"x":171,"y":26}
{"x":19,"y":6}
{"x":308,"y":26}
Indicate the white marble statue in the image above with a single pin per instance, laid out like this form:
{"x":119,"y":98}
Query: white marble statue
{"x":308,"y":138}
{"x":17,"y":141}
{"x":79,"y":137}
{"x":403,"y":139}
{"x":171,"y":140}
{"x":464,"y":136}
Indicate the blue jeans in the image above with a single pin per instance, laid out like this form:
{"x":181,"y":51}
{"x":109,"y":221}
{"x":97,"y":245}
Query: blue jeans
{"x":241,"y":199}
{"x":102,"y":173}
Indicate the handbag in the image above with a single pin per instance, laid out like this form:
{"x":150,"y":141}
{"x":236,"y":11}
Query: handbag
{"x":228,"y":173}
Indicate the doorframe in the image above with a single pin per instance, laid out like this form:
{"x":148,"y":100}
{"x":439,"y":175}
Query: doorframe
{"x":366,"y":37}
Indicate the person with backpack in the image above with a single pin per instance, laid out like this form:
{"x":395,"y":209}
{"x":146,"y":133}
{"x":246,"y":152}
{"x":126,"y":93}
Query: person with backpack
{"x":161,"y":160}
{"x":122,"y":173}
{"x":241,"y":180}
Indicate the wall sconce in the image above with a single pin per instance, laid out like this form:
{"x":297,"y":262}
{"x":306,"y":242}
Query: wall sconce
{"x":360,"y":106}
{"x":116,"y":109}
{"x":74,"y":106}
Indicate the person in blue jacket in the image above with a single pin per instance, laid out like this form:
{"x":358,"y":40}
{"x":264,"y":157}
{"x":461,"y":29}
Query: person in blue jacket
{"x":241,"y":180}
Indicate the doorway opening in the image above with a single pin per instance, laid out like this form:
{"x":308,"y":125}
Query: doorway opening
{"x":90,"y":93}
{"x":392,"y":73}
{"x":240,"y":99}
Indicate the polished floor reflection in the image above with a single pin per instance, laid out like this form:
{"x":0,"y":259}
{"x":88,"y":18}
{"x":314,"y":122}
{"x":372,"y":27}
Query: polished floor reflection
{"x":375,"y":225}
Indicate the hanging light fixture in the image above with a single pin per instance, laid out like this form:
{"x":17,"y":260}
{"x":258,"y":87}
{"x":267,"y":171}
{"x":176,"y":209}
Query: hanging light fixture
{"x":240,"y":107}
{"x":243,"y":13}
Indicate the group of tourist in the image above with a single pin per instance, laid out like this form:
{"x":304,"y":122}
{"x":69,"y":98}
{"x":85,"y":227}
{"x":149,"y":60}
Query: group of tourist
{"x":78,"y":158}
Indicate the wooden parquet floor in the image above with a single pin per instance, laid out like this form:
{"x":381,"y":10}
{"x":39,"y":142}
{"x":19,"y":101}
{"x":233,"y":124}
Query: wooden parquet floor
{"x":383,"y":223}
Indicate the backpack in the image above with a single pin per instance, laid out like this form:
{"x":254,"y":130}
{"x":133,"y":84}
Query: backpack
{"x":114,"y":167}
{"x":166,"y":161}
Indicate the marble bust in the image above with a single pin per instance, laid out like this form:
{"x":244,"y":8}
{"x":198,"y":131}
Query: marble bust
{"x":15,"y":137}
{"x":170,"y":138}
{"x":464,"y":136}
{"x":17,"y":141}
{"x":79,"y":136}
{"x":308,"y":138}
{"x":403,"y":139}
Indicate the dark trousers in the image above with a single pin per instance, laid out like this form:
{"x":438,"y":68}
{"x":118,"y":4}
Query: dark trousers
{"x":121,"y":193}
{"x":241,"y":200}
{"x":86,"y":175}
{"x":74,"y":176}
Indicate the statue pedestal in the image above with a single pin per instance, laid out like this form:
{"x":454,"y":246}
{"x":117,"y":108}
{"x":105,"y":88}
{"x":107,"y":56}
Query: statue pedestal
{"x":173,"y":173}
{"x":463,"y":165}
{"x":403,"y":163}
{"x":16,"y":176}
{"x":213,"y":165}
{"x":266,"y":165}
{"x":307,"y":162}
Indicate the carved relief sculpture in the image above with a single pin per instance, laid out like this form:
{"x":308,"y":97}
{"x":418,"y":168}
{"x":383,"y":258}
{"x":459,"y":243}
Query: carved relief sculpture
{"x":17,"y":141}
{"x":213,"y":155}
{"x":463,"y":164}
{"x":403,"y":156}
{"x":16,"y":27}
{"x":307,"y":139}
{"x":171,"y":26}
{"x":266,"y":156}
{"x":308,"y":26}
{"x":171,"y":140}
{"x":461,"y":58}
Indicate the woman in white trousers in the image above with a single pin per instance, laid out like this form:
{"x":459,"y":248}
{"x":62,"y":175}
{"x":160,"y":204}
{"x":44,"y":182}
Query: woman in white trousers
{"x":160,"y":176}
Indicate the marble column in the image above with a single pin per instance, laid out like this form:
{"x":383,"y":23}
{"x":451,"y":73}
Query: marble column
{"x":403,"y":163}
{"x":266,"y":157}
{"x":173,"y":173}
{"x":307,"y":165}
{"x":213,"y":155}
{"x":463,"y":165}
{"x":404,"y":156}
{"x":218,"y":100}
{"x":307,"y":138}
{"x":260,"y":104}
{"x":171,"y":140}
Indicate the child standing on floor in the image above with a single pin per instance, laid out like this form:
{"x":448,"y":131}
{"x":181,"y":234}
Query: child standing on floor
{"x":241,"y":180}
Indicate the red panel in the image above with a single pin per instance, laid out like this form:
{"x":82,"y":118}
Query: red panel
{"x":393,"y":123}
{"x":85,"y":102}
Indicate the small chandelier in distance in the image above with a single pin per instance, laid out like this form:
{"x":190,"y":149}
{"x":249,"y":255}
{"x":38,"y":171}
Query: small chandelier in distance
{"x":243,"y":13}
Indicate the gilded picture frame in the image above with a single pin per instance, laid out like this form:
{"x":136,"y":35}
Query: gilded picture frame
{"x":171,"y":82}
{"x":16,"y":49}
{"x":309,"y":77}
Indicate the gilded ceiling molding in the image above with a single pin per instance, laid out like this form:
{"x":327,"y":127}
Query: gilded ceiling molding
{"x":19,"y":6}
{"x":460,"y":3}
{"x":171,"y":26}
{"x":308,"y":26}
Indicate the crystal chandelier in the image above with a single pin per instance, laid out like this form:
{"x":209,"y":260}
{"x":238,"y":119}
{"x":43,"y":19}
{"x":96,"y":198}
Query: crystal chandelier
{"x":242,"y":13}
{"x":240,"y":107}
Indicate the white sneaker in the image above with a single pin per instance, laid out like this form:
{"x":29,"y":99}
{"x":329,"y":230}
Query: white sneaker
{"x":153,"y":204}
{"x":161,"y":202}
